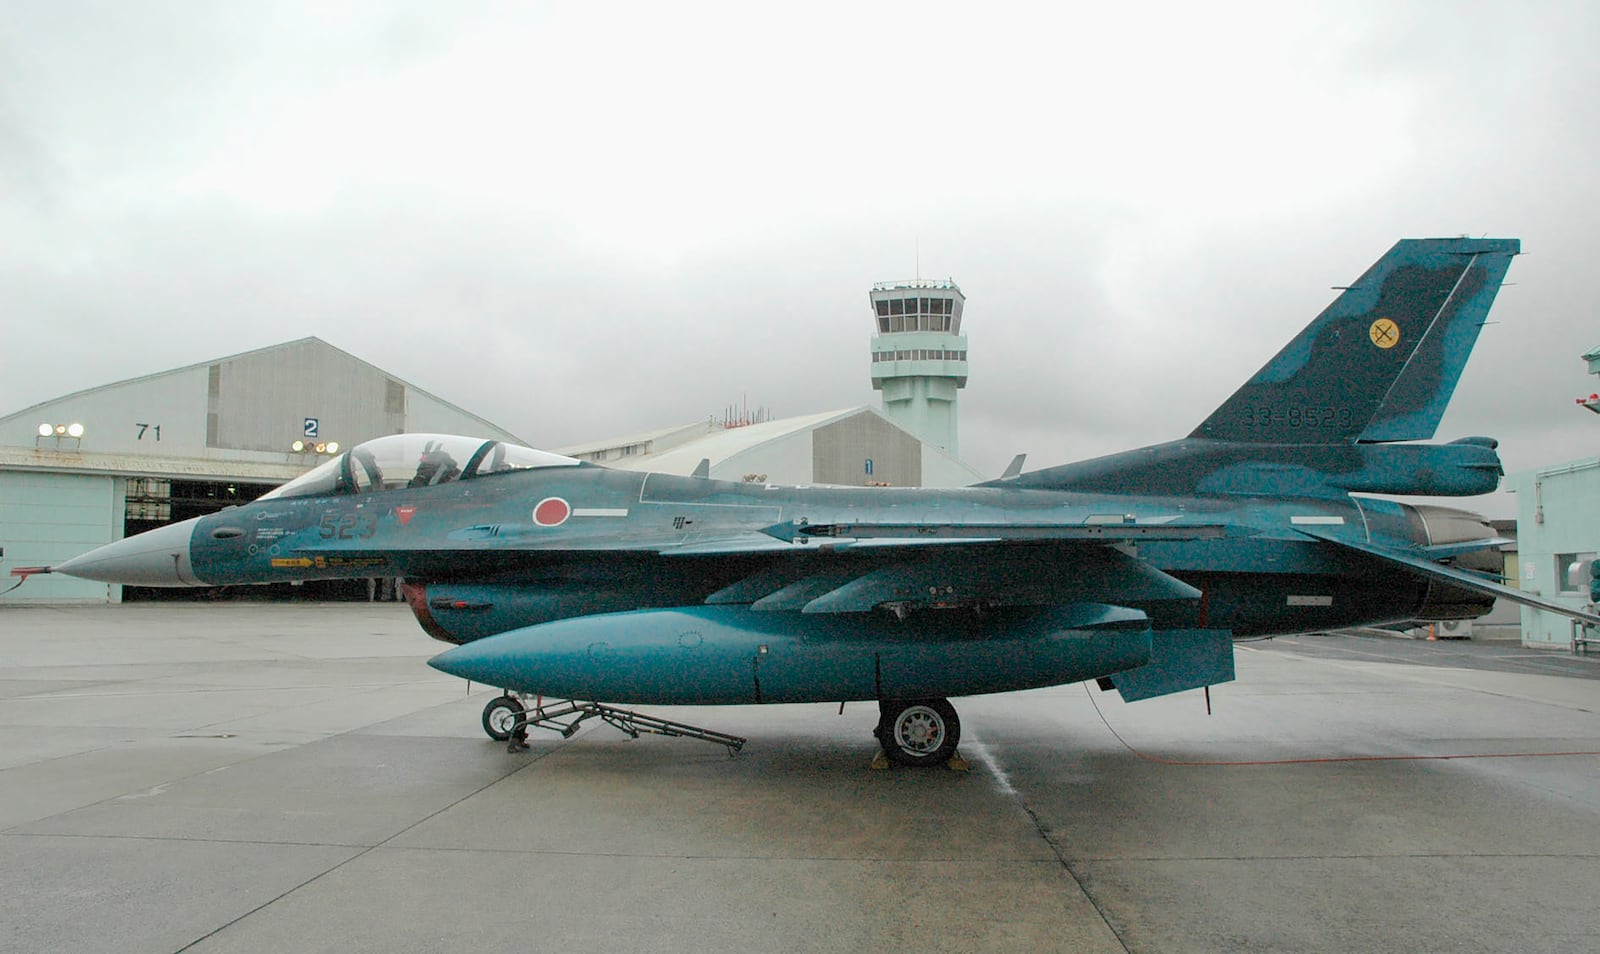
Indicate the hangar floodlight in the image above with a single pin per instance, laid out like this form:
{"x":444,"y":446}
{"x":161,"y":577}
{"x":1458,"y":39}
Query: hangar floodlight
{"x":60,"y":432}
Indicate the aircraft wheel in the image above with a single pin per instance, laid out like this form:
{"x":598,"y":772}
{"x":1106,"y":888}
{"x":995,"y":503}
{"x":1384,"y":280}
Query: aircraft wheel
{"x":918,"y":732}
{"x":500,"y":717}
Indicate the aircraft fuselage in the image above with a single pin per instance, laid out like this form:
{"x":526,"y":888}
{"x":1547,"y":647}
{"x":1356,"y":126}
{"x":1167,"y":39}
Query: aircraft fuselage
{"x":539,"y":545}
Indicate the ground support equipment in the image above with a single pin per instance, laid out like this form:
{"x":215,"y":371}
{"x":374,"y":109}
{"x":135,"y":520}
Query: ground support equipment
{"x":507,"y":719}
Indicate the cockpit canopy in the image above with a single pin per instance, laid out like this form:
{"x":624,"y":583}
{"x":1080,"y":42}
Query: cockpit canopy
{"x":414,"y":460}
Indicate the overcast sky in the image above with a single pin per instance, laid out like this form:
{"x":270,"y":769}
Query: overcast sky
{"x":585,"y":219}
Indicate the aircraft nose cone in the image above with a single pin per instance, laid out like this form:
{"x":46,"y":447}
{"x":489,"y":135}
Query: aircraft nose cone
{"x":158,"y":557}
{"x":482,"y":660}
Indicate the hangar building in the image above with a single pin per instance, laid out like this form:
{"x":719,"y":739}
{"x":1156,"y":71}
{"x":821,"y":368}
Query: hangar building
{"x":858,"y":447}
{"x":94,"y":466}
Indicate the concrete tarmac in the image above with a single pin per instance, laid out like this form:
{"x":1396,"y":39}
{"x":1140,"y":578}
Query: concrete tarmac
{"x":248,"y":777}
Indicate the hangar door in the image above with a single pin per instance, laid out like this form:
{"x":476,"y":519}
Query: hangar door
{"x":47,"y":518}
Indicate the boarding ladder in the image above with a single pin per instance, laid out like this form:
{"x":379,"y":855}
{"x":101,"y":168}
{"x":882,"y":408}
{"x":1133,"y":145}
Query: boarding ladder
{"x":566,"y":715}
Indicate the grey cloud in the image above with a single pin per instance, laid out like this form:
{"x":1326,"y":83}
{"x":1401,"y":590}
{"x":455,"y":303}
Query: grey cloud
{"x":1096,"y":322}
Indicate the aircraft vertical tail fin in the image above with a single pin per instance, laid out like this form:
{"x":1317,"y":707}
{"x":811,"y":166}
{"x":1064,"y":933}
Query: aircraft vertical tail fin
{"x":1381,"y":362}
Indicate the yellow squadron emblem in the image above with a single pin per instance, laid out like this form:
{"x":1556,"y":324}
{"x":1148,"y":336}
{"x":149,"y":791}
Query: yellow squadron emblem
{"x":1385,"y":333}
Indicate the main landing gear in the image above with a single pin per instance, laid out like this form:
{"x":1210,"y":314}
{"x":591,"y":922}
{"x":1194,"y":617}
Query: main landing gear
{"x":918,"y":732}
{"x":507,"y":718}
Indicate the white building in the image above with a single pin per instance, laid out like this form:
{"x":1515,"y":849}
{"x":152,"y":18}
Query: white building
{"x":1558,"y":536}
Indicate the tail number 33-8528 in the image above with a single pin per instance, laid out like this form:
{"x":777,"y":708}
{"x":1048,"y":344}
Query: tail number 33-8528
{"x":347,"y":526}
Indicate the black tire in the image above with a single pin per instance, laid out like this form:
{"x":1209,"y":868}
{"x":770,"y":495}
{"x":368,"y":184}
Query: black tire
{"x":918,"y":732}
{"x":500,"y":715}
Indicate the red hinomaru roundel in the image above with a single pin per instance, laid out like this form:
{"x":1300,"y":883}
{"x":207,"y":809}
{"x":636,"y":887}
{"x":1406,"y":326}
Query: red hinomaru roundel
{"x":551,"y":512}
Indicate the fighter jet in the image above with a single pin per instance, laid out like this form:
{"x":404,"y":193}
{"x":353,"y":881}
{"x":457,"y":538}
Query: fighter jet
{"x":570,"y":580}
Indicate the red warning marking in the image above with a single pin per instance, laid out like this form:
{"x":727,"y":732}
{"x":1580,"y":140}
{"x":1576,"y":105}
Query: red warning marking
{"x":551,"y":512}
{"x":405,"y":513}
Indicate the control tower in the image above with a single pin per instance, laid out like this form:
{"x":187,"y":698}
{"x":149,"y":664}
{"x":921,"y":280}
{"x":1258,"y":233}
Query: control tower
{"x":919,"y":356}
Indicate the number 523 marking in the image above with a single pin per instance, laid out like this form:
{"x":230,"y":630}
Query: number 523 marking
{"x":347,"y":526}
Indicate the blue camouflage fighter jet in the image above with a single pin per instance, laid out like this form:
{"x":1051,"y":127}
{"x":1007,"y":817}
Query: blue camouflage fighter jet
{"x":569,"y":580}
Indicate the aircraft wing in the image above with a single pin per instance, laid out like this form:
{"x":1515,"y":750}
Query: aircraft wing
{"x":1456,"y":577}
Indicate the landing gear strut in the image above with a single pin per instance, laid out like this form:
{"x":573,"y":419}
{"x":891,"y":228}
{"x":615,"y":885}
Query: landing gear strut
{"x":918,"y":731}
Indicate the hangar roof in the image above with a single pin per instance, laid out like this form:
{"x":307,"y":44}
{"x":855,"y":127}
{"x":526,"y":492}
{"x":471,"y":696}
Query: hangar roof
{"x":310,"y":341}
{"x":722,"y":445}
{"x":664,"y":436}
{"x":238,"y":416}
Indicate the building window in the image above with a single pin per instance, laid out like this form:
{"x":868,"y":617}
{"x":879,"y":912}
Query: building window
{"x":883,"y":324}
{"x":883,"y":307}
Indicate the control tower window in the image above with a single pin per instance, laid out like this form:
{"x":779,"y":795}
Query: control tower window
{"x":897,"y":307}
{"x":883,"y":306}
{"x":883,"y":323}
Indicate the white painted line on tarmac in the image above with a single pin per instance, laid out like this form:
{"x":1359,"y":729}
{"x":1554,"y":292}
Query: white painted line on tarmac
{"x":980,"y":753}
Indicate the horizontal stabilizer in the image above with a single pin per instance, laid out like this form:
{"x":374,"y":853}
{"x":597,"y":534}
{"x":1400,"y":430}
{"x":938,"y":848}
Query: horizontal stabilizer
{"x":1457,"y":577}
